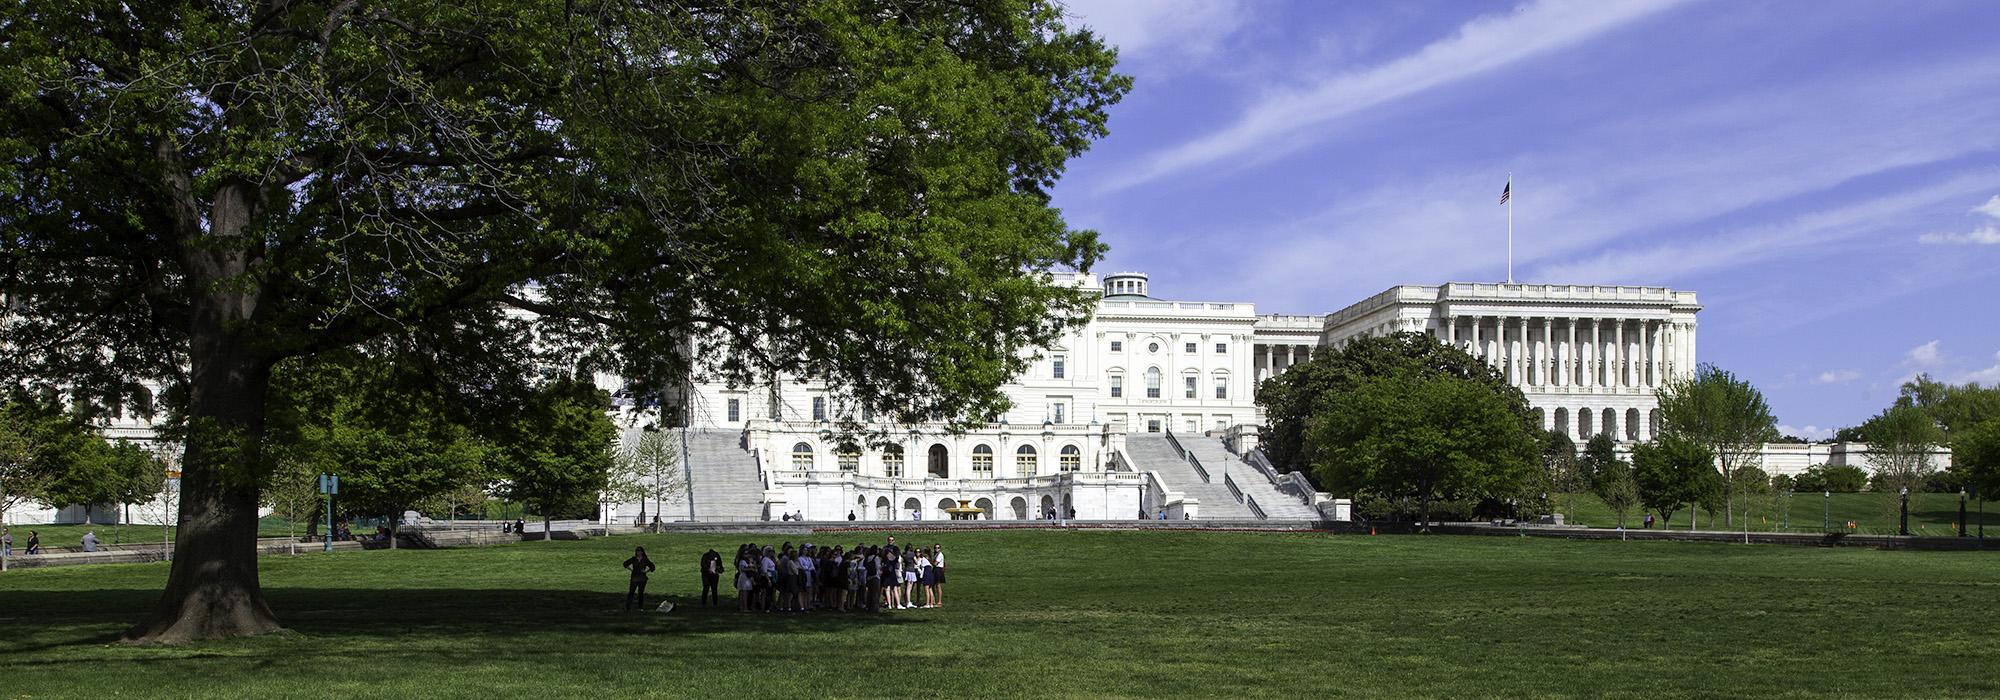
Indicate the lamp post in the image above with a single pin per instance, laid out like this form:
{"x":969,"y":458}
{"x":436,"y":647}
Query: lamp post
{"x":1825,"y":503}
{"x":1961,"y":512}
{"x":1903,"y":524}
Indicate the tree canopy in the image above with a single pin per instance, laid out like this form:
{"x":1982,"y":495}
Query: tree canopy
{"x":1426,"y":437}
{"x":858,"y":190}
{"x":1290,"y":400}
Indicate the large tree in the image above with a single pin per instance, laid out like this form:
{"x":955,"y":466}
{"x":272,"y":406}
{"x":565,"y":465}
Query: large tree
{"x":1425,"y":437}
{"x":195,"y":191}
{"x":1976,"y":454}
{"x":1292,"y":399}
{"x":1723,"y":413}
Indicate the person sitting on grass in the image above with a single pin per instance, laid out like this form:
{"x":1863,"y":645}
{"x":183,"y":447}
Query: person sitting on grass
{"x":639,"y":565}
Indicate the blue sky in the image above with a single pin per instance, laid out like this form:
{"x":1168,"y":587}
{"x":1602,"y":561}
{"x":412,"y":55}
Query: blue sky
{"x":1824,"y":174}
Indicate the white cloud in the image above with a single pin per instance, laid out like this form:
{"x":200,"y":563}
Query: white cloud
{"x":1156,"y":31}
{"x":1990,"y":208}
{"x":1989,"y":376}
{"x":1984,"y":235}
{"x":1485,"y":44}
{"x":1810,"y":432}
{"x":1836,"y":376}
{"x":1926,"y":355}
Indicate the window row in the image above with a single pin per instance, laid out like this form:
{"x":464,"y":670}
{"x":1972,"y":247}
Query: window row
{"x":1188,"y":348}
{"x":1027,"y":460}
{"x":1190,"y":384}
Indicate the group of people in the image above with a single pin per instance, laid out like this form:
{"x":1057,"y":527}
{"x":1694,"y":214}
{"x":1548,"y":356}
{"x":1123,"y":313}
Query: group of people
{"x":815,"y":577}
{"x":807,"y":577}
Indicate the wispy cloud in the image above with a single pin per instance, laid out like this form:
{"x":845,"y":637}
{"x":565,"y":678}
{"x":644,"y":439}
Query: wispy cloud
{"x":1156,"y":32}
{"x":1809,"y":432}
{"x":1988,"y":234}
{"x":1483,"y":45}
{"x":1836,"y":376}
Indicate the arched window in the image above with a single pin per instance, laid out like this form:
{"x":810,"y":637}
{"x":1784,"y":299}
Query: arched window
{"x":802,"y":457}
{"x":1152,"y":382}
{"x":1071,"y":459}
{"x":1610,"y":426}
{"x":1653,"y":424}
{"x":1562,"y":422}
{"x":849,"y":457}
{"x":982,"y":462}
{"x":1632,"y":424}
{"x":1541,"y":421}
{"x":1583,"y":416}
{"x":1024,"y":461}
{"x":892,"y":461}
{"x":939,"y":462}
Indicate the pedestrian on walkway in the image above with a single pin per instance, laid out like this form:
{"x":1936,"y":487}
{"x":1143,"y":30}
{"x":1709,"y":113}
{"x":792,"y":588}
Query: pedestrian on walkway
{"x":711,"y":577}
{"x":6,"y":542}
{"x":640,"y":566}
{"x":34,"y":542}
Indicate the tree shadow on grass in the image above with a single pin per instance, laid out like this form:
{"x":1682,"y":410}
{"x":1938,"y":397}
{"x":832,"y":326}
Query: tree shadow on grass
{"x":33,"y":621}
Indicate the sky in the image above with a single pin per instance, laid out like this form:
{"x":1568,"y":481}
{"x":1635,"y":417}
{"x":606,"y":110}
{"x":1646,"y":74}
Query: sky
{"x":1824,"y":174}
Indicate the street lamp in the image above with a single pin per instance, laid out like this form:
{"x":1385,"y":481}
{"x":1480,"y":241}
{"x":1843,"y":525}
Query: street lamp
{"x":1961,"y":512}
{"x":1825,"y":502}
{"x":1904,"y":524}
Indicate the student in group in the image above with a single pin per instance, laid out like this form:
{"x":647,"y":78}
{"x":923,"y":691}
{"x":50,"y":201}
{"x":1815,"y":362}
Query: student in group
{"x":857,"y":580}
{"x":924,"y":578}
{"x":640,"y":566}
{"x":808,"y":575}
{"x":711,"y":577}
{"x":872,"y":569}
{"x":832,"y":573}
{"x":937,"y":576}
{"x":769,"y":583}
{"x":746,"y":582}
{"x":909,"y":562}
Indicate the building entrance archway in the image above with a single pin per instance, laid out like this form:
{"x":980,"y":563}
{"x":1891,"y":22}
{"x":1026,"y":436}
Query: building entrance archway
{"x":939,"y":462}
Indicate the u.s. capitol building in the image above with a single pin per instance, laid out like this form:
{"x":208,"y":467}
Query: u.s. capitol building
{"x":1149,"y":408}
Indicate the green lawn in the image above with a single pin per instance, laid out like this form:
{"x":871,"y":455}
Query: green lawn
{"x":72,"y":535}
{"x":1065,"y":614}
{"x":1873,"y":513}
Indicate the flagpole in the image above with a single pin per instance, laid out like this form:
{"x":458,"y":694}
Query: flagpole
{"x":1510,"y":228}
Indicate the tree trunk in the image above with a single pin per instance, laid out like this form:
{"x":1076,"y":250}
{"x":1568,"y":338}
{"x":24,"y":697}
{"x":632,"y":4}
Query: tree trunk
{"x":212,"y":590}
{"x":545,"y":528}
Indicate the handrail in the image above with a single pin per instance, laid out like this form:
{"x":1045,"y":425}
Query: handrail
{"x":1189,"y":457}
{"x":1233,"y":489}
{"x":1257,"y":510}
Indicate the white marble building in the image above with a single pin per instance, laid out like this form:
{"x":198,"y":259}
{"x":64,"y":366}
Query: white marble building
{"x":1589,"y":358}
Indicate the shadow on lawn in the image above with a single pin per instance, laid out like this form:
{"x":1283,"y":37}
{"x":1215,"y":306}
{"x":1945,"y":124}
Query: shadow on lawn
{"x":41,"y":620}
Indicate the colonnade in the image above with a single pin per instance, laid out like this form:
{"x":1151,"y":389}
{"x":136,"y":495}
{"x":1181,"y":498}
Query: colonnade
{"x":1273,"y":359}
{"x":1589,"y":352}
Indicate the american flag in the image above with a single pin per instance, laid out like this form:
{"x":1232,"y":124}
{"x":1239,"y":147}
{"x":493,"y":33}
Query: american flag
{"x":1507,"y":192}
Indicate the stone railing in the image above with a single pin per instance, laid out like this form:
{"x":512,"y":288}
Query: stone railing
{"x":1189,"y":457}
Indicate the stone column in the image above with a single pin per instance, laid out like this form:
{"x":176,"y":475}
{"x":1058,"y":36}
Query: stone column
{"x":1450,"y":330}
{"x":1624,"y":357}
{"x":1648,"y":338}
{"x":1546,"y":363}
{"x":1596,"y":368}
{"x":1569,"y":354}
{"x":1477,"y":350}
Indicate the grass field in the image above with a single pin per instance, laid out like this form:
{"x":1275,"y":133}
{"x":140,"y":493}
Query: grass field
{"x":1048,"y":613}
{"x":1931,"y":514}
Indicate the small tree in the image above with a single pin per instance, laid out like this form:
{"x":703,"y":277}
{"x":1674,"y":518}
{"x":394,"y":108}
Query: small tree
{"x":22,"y":477}
{"x":1725,"y":414}
{"x":1901,"y":440}
{"x":1617,"y":489}
{"x":647,"y":467}
{"x":1564,"y":474}
{"x":1598,"y":454}
{"x":557,"y":457}
{"x":293,"y":494}
{"x":1976,"y":453}
{"x":1671,"y":472}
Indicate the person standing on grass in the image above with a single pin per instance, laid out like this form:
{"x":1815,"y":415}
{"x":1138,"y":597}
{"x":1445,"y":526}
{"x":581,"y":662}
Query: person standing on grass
{"x":711,"y":578}
{"x":768,"y":584}
{"x":924,"y":578}
{"x":640,"y":566}
{"x":909,"y":567}
{"x":872,"y":568}
{"x":34,"y":542}
{"x":746,"y":582}
{"x":6,"y":542}
{"x":937,"y":576}
{"x":856,"y":581}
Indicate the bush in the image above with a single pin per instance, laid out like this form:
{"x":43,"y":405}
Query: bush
{"x":1782,"y":483}
{"x":1838,"y":478}
{"x":1945,"y":481}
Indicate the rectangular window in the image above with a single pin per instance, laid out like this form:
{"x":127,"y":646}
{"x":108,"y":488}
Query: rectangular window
{"x":1190,"y":386}
{"x":1221,"y":348}
{"x":1221,"y":387}
{"x":1153,"y":425}
{"x":1056,"y":413}
{"x":819,"y":408}
{"x":1117,"y":386}
{"x":1193,"y":425}
{"x":735,"y":410}
{"x":1117,"y":346}
{"x":1056,"y":368}
{"x":892,"y":463}
{"x":1190,"y":348}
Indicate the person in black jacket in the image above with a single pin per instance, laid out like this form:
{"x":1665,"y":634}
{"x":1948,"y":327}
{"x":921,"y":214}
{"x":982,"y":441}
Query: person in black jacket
{"x":711,"y":575}
{"x":640,"y":566}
